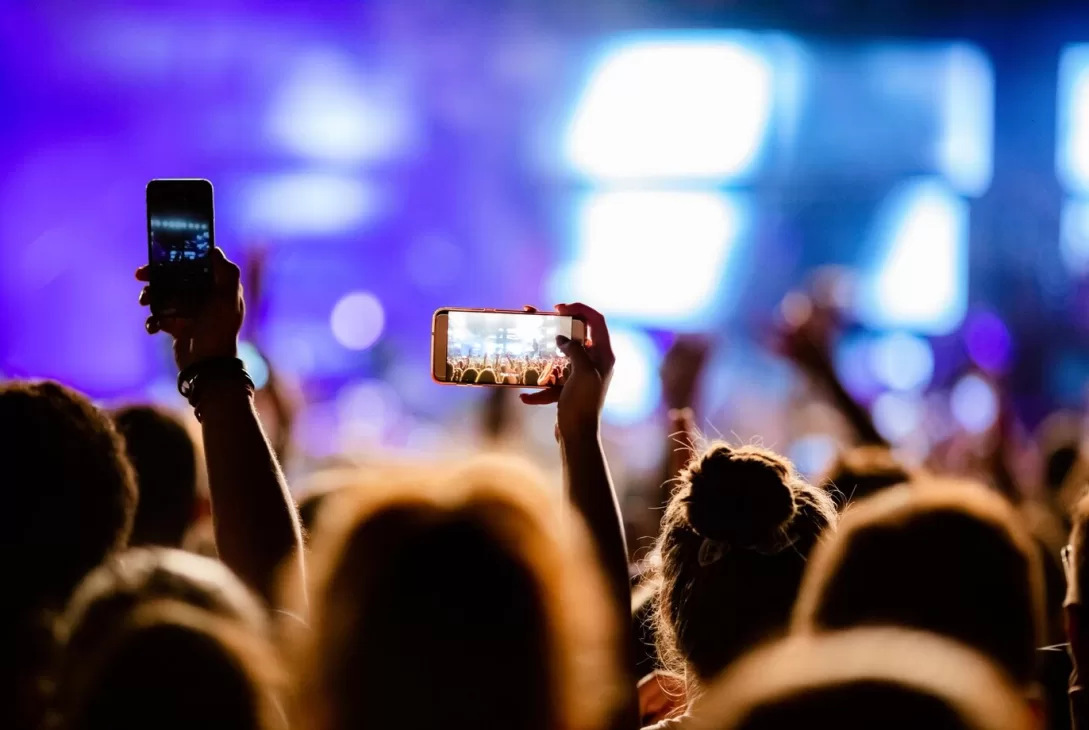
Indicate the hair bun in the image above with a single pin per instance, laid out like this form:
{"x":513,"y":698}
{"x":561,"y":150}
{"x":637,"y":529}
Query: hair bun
{"x":739,"y":496}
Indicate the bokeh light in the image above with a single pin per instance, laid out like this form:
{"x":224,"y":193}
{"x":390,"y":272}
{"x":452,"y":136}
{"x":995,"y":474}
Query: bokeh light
{"x":635,"y":388}
{"x":681,"y":106}
{"x":974,"y":404}
{"x":357,"y":320}
{"x":987,"y":341}
{"x":255,"y":364}
{"x":902,"y":361}
{"x":897,"y":415}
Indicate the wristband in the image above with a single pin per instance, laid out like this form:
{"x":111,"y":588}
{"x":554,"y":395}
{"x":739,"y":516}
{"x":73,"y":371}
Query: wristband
{"x":192,"y":380}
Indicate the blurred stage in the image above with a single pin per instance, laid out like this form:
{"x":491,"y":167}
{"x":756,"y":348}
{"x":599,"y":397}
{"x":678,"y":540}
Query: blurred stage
{"x":681,"y":167}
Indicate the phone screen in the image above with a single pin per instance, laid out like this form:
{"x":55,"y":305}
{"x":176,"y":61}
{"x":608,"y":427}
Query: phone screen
{"x":181,"y":234}
{"x":504,"y":348}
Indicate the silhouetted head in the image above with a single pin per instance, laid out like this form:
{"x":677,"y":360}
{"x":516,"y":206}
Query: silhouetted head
{"x":454,"y":600}
{"x":70,"y":491}
{"x":530,"y":376}
{"x":468,"y":375}
{"x":862,"y":679}
{"x":734,"y":543}
{"x":486,"y":377}
{"x":103,"y":603}
{"x":165,"y":459}
{"x":862,"y":471}
{"x":175,"y":667}
{"x":70,"y":495}
{"x":941,"y":556}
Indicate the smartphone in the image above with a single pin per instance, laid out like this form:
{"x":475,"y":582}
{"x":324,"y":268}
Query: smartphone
{"x":501,"y":348}
{"x":180,"y":238}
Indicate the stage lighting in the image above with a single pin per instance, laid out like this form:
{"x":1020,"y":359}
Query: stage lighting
{"x":329,"y":111}
{"x":967,"y":138}
{"x":920,"y":280}
{"x":1072,"y":150}
{"x":657,"y":258}
{"x":308,"y":204}
{"x":1074,"y":237}
{"x":813,"y":453}
{"x":357,"y":320}
{"x":676,"y":106}
{"x":635,"y":388}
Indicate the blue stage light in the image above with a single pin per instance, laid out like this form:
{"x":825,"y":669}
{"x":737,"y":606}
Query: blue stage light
{"x":656,"y":258}
{"x":1072,"y":149}
{"x":674,"y":106}
{"x":965,"y":152}
{"x":920,"y":281}
{"x":902,"y":361}
{"x":308,"y":204}
{"x":358,"y":320}
{"x":635,"y":389}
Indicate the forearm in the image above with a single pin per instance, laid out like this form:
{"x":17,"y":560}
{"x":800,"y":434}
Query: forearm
{"x":590,"y":489}
{"x":857,"y":416}
{"x":256,"y":525}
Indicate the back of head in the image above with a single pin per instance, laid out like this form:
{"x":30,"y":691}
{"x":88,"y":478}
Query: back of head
{"x":70,"y":491}
{"x":165,"y":459}
{"x":486,"y":377}
{"x":862,"y":471}
{"x":69,"y":495}
{"x":453,"y":601}
{"x":946,"y":557}
{"x":862,"y":679}
{"x":104,"y":602}
{"x":733,"y":546}
{"x":176,"y":667}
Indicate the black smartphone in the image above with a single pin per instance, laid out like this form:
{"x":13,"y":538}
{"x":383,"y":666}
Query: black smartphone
{"x":508,"y":348}
{"x":180,"y":238}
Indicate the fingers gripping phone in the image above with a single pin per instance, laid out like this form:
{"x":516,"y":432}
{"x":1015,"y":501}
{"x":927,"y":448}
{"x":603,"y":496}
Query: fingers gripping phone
{"x":501,"y":348}
{"x":180,"y":238}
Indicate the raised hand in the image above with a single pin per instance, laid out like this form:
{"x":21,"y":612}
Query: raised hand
{"x":213,"y":332}
{"x":682,"y":369}
{"x":581,"y":398}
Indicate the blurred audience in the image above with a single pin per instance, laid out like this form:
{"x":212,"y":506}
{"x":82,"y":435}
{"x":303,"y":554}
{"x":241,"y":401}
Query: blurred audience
{"x":164,"y":456}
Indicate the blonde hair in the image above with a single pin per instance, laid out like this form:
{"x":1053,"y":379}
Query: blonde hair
{"x":482,"y":540}
{"x":939,"y":555}
{"x":870,"y":677}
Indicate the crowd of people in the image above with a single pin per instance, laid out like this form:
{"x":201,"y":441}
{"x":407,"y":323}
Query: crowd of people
{"x":528,"y":370}
{"x":469,"y":594}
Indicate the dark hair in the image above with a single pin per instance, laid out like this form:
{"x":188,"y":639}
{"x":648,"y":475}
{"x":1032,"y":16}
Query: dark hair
{"x":862,"y":471}
{"x":530,"y":376}
{"x":947,"y":557}
{"x":468,"y":375}
{"x":165,"y":460}
{"x":174,"y":667}
{"x":486,"y":377}
{"x":71,"y":492}
{"x":861,"y":679}
{"x":731,"y":553}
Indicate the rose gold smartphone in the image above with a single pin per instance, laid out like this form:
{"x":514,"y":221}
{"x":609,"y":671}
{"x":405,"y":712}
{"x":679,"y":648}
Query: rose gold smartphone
{"x":502,"y":348}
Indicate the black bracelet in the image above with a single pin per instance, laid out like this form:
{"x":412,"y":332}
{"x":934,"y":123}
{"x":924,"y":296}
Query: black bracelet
{"x":191,"y":380}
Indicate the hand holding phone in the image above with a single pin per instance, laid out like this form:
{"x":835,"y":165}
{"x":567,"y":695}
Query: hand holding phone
{"x":503,"y":348}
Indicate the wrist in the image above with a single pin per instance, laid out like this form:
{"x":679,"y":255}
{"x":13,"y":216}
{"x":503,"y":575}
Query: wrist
{"x":575,"y":432}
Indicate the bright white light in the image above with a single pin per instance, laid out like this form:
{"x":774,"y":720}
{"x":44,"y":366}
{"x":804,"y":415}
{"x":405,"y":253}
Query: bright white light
{"x":921,"y":280}
{"x":634,"y":390}
{"x":974,"y":404}
{"x":330,"y":111}
{"x":658,"y":258}
{"x":308,"y":204}
{"x":255,"y":364}
{"x":967,"y":139}
{"x":1072,"y":160}
{"x":357,"y":320}
{"x":1074,"y":236}
{"x":897,"y":415}
{"x":902,"y":361}
{"x":692,"y":108}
